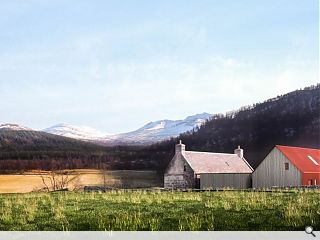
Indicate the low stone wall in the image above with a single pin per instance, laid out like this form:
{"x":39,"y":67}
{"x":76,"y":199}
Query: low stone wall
{"x":97,"y":188}
{"x":177,"y":182}
{"x":174,"y":181}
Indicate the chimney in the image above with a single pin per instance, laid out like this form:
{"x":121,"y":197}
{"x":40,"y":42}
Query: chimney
{"x":180,"y":148}
{"x":239,"y":152}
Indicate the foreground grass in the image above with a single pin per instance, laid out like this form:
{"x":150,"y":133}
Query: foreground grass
{"x":227,"y":210}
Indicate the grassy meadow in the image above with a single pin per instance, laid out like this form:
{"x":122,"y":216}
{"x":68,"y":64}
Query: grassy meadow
{"x":155,"y":210}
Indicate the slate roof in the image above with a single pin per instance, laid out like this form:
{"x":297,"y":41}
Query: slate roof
{"x":206,"y":162}
{"x":307,"y":160}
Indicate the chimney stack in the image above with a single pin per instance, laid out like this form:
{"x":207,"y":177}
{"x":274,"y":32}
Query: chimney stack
{"x":239,"y":152}
{"x":180,"y":148}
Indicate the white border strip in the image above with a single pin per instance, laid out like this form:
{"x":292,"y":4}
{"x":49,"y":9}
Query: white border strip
{"x":298,"y":235}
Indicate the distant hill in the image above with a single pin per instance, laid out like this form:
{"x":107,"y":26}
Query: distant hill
{"x":28,"y":149}
{"x":29,"y":140}
{"x":22,"y":149}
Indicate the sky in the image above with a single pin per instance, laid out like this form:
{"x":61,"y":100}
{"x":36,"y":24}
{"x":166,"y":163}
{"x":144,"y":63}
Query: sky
{"x":116,"y":65}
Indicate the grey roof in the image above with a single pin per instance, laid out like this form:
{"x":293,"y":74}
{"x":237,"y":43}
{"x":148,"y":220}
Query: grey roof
{"x":206,"y":162}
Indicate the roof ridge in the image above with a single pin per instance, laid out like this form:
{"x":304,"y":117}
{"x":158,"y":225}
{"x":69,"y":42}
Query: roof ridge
{"x":297,"y":147}
{"x":211,"y":162}
{"x":212,"y":153}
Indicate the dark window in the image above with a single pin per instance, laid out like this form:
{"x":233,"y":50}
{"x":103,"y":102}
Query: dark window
{"x":286,"y":166}
{"x":184,"y":168}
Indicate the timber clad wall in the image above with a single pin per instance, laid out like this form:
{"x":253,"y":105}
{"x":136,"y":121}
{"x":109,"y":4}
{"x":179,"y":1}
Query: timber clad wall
{"x":271,"y":172}
{"x":221,"y":180}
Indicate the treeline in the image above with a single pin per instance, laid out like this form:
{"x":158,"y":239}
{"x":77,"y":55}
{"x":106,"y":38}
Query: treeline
{"x":90,"y":162}
{"x":51,"y":161}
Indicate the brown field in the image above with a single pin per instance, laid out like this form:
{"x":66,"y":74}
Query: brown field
{"x":32,"y":181}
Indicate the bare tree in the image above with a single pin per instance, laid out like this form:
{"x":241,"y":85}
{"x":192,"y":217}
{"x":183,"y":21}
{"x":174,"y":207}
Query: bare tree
{"x":57,"y":180}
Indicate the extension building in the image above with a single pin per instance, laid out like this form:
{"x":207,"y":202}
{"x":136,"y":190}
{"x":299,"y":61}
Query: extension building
{"x":288,"y":166}
{"x":205,"y":170}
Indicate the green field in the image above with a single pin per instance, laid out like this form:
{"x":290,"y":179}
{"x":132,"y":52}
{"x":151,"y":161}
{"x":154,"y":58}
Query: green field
{"x":142,"y":210}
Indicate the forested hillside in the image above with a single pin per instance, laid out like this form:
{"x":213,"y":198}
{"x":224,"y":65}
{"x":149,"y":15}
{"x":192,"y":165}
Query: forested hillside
{"x":292,"y":119}
{"x":26,"y":149}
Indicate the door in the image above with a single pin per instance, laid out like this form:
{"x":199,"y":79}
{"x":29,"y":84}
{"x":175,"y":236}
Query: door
{"x":310,"y":182}
{"x":197,"y":182}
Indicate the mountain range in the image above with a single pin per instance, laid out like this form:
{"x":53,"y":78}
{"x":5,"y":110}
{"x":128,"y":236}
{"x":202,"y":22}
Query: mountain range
{"x":150,"y":133}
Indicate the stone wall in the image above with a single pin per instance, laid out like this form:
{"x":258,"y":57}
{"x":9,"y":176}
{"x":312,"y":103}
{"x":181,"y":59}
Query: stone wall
{"x":179,"y":174}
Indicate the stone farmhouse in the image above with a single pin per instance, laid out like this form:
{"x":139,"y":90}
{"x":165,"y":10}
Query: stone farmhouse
{"x":205,"y":170}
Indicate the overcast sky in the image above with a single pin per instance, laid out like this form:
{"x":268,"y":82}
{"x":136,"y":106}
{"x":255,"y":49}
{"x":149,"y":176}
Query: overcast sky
{"x":116,"y":65}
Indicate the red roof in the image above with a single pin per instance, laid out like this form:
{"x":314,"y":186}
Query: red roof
{"x":205,"y":162}
{"x":307,"y":160}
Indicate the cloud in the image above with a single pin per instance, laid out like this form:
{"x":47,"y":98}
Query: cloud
{"x":213,"y":84}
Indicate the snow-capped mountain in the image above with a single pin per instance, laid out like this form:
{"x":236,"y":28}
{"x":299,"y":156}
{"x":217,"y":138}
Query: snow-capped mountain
{"x":14,"y":127}
{"x":163,"y":129}
{"x":151,"y":132}
{"x":81,"y":133}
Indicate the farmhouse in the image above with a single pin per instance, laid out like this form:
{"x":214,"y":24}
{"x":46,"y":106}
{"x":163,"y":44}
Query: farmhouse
{"x":288,"y":166}
{"x":205,"y":170}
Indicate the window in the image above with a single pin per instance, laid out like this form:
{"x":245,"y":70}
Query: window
{"x":286,"y":166}
{"x":184,"y":168}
